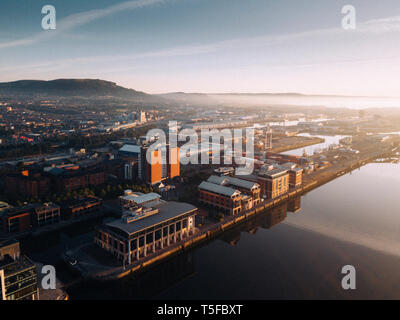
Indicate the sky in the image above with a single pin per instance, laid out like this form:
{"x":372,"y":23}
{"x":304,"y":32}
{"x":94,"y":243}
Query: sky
{"x":160,"y":46}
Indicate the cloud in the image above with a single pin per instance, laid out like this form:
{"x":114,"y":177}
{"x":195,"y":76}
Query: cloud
{"x":79,"y":19}
{"x":372,"y":27}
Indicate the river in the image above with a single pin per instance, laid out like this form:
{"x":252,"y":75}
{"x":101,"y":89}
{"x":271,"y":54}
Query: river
{"x":353,"y":220}
{"x":329,"y":140}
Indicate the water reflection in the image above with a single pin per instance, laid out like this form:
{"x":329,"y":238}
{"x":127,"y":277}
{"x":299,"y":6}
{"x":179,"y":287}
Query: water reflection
{"x":294,"y":205}
{"x":140,"y":286}
{"x":310,"y":150}
{"x":157,"y":279}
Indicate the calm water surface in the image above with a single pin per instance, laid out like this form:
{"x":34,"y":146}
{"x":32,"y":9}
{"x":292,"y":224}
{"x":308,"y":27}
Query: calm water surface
{"x":329,"y":140}
{"x":284,"y":255}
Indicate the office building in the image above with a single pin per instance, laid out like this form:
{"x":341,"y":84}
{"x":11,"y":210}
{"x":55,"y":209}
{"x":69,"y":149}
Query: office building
{"x":18,"y":278}
{"x":295,"y":178}
{"x":18,"y":219}
{"x":48,"y":213}
{"x":80,"y":206}
{"x":142,"y":117}
{"x":132,"y":199}
{"x":26,"y":217}
{"x":146,"y":229}
{"x":224,"y":199}
{"x":268,"y":139}
{"x":276,"y":182}
{"x":151,"y":166}
{"x":249,"y":188}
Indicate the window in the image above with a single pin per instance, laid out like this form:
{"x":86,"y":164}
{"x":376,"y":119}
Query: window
{"x":141,"y":241}
{"x":149,"y":238}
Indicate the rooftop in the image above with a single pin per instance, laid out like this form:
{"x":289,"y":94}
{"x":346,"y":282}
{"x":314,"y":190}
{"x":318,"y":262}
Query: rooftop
{"x":12,"y":266}
{"x":130,"y":148}
{"x":215,"y":188}
{"x":275,"y":173}
{"x":167,"y":211}
{"x":233,"y":181}
{"x":80,"y":201}
{"x":140,"y":198}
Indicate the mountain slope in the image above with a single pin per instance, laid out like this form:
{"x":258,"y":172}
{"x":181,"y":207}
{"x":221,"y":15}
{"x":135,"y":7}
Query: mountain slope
{"x":68,"y":88}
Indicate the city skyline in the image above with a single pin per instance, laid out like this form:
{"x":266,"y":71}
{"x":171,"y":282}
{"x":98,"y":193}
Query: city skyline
{"x":160,"y":46}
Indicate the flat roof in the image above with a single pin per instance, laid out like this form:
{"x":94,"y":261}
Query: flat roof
{"x":130,"y":148}
{"x":275,"y":173}
{"x":141,"y":198}
{"x":216,"y":188}
{"x":167,"y":211}
{"x":12,"y":266}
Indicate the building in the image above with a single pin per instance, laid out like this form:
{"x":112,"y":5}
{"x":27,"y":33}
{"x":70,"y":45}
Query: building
{"x":74,"y":179}
{"x":154,"y":167}
{"x":225,"y":171}
{"x":18,"y":219}
{"x":151,"y":166}
{"x":273,"y":183}
{"x":28,"y":184}
{"x":9,"y":247}
{"x":295,"y":178}
{"x":48,"y":213}
{"x":146,"y":230}
{"x":224,"y":199}
{"x":142,"y":117}
{"x":132,"y":199}
{"x":26,"y":217}
{"x":18,"y":278}
{"x":129,"y":170}
{"x":249,"y":188}
{"x":80,"y":206}
{"x":276,"y":182}
{"x":268,"y":139}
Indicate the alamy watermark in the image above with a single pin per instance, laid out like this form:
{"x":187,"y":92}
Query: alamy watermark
{"x":349,"y":21}
{"x":349,"y":280}
{"x":49,"y":279}
{"x":197,"y":149}
{"x":49,"y":21}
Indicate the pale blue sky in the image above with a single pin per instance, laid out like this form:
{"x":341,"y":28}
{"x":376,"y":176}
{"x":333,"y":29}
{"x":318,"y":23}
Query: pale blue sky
{"x":207,"y":45}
